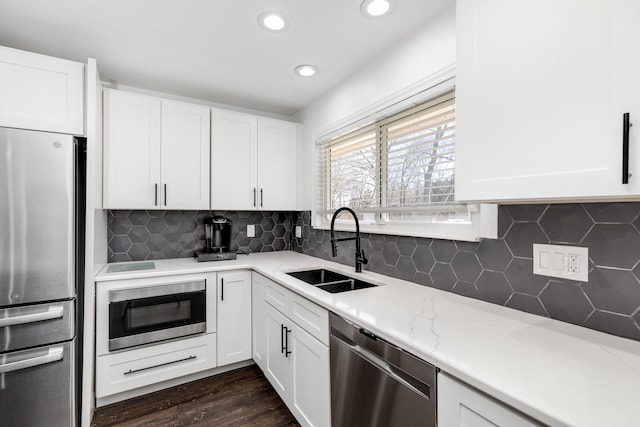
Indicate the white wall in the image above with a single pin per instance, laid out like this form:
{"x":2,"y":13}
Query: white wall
{"x":424,"y":53}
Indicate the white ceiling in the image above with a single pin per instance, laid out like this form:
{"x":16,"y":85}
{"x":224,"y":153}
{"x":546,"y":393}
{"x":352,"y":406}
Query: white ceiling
{"x":213,"y":49}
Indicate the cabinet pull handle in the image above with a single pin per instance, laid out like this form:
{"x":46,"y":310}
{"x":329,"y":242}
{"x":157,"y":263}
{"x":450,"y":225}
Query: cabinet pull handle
{"x":254,"y":197}
{"x":286,"y":342}
{"x":155,"y":203}
{"x":625,"y":148}
{"x":282,"y":347}
{"x":222,"y":290}
{"x":165,"y":194}
{"x":261,"y":198}
{"x":133,"y":371}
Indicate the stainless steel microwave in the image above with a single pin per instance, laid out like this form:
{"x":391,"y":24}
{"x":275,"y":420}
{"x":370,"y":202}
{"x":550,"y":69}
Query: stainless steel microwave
{"x":150,"y":314}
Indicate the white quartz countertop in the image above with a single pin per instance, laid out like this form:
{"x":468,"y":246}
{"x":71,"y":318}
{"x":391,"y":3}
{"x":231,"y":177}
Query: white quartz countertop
{"x":557,"y":373}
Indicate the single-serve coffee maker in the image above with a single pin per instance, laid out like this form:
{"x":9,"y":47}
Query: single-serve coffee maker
{"x":217,"y":232}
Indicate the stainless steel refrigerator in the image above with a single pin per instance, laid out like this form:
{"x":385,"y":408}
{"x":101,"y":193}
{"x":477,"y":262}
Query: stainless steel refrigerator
{"x":41,"y":258}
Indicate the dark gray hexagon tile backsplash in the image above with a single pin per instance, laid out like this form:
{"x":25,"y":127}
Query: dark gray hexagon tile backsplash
{"x":496,"y":271}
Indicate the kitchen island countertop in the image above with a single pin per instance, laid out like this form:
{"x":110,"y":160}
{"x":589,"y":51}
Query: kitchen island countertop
{"x":556,"y":372}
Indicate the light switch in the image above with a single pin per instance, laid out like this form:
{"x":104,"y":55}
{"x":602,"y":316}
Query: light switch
{"x":567,"y":262}
{"x":251,"y":230}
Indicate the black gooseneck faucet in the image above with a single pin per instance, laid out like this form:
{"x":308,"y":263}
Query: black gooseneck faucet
{"x":360,"y":258}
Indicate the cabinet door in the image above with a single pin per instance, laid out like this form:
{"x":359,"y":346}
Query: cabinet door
{"x":259,"y":320}
{"x":310,"y":389}
{"x":234,"y":138}
{"x":462,"y":406}
{"x":540,"y":93}
{"x":234,"y":317}
{"x":131,"y":151}
{"x":277,"y":142}
{"x":41,"y":92}
{"x":278,"y":364}
{"x":185,"y":156}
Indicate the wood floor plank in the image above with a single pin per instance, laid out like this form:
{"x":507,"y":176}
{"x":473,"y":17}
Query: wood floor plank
{"x":242,"y":397}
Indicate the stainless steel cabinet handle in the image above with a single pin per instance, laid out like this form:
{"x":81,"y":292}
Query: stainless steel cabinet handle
{"x":165,"y":194}
{"x":287,"y":352}
{"x":155,"y":203}
{"x":254,"y":197}
{"x":133,"y":371}
{"x":54,"y":312}
{"x":222,"y":290}
{"x":261,"y":198}
{"x":282,"y":347}
{"x":53,"y":355}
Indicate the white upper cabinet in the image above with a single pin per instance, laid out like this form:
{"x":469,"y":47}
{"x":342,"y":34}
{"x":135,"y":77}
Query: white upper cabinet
{"x":185,"y":155}
{"x":131,"y":151}
{"x":41,"y":92}
{"x":252,"y":162}
{"x":277,"y":142}
{"x":234,"y":144}
{"x":541,"y":90}
{"x":156,"y":153}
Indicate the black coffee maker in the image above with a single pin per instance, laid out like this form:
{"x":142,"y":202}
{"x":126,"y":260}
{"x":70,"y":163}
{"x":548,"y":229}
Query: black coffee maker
{"x":217,"y":232}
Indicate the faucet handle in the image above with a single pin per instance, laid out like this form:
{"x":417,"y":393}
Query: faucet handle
{"x":363,"y":259}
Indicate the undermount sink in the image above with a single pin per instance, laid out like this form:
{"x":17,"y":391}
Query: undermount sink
{"x":330,"y":281}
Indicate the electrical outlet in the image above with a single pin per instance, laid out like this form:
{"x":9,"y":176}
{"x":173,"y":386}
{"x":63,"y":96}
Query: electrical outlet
{"x":567,"y":262}
{"x":251,"y":230}
{"x":298,"y":231}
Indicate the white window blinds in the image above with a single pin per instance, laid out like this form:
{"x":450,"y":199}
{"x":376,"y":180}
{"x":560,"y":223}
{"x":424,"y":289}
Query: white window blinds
{"x":398,"y":169}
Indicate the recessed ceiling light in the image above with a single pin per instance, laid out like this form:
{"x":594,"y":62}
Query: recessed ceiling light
{"x":306,"y":70}
{"x":273,"y":21}
{"x":376,"y":8}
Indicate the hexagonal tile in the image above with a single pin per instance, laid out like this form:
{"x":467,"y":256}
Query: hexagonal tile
{"x":120,"y":225}
{"x":466,"y":246}
{"x":242,"y":239}
{"x":278,"y":230}
{"x":406,"y":245}
{"x":613,"y":245}
{"x":138,"y":234}
{"x":188,"y":241}
{"x":377,"y":242}
{"x":279,"y":245}
{"x":493,"y":287}
{"x":493,"y":254}
{"x":565,"y":302}
{"x":406,"y":268}
{"x":423,"y":258}
{"x":520,"y":276}
{"x":613,"y":212}
{"x":376,"y":262}
{"x":172,"y":233}
{"x":120,"y":257}
{"x":138,"y":252}
{"x":156,"y":242}
{"x":443,"y":250}
{"x":156,"y":225}
{"x":613,"y":290}
{"x":266,"y":238}
{"x":566,"y":223}
{"x":522,"y":236}
{"x":267,"y":248}
{"x":281,"y":217}
{"x":442,"y":276}
{"x":139,"y":217}
{"x":504,"y":221}
{"x":120,"y":244}
{"x":389,"y":270}
{"x":612,"y":323}
{"x":466,"y":289}
{"x":466,"y":266}
{"x":526,"y":303}
{"x":422,"y":279}
{"x":172,"y":250}
{"x":267,"y":224}
{"x":173,"y":217}
{"x":526,"y":212}
{"x":255,"y":245}
{"x":390,"y":253}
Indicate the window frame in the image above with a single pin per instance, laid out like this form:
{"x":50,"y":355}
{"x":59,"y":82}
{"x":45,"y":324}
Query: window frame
{"x":483,"y":217}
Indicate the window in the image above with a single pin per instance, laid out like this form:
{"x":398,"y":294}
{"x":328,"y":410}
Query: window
{"x":398,"y":174}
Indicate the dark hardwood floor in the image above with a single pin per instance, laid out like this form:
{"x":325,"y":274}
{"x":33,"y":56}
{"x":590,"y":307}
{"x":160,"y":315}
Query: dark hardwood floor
{"x":242,"y":397}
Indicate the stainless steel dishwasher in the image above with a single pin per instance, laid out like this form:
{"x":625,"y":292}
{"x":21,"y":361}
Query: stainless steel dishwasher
{"x":376,"y":384}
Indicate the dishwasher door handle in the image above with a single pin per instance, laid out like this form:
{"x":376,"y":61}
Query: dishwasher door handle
{"x":413,"y":385}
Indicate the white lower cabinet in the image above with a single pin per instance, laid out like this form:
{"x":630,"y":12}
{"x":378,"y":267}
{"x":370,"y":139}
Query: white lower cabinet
{"x":258,"y":316}
{"x":294,"y":359}
{"x":460,"y":405}
{"x":234,"y":317}
{"x":127,"y":370}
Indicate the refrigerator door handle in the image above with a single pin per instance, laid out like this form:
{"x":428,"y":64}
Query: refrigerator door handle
{"x":54,"y":312}
{"x":53,"y":355}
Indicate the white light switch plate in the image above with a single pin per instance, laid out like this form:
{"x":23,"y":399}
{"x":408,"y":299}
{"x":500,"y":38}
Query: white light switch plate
{"x":298,"y":231}
{"x":251,"y":230}
{"x":567,"y":262}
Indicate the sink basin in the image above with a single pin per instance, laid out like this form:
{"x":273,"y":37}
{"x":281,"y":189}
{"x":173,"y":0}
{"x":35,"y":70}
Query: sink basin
{"x":330,"y":281}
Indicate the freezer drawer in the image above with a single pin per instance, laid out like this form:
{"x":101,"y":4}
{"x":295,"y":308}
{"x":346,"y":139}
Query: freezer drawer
{"x":36,"y":387}
{"x":36,"y":325}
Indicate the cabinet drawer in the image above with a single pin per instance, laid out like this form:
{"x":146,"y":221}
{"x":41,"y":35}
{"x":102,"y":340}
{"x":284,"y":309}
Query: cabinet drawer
{"x":131,"y":369}
{"x":310,"y":317}
{"x":278,"y":296}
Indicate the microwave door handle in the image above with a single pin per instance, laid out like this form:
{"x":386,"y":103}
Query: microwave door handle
{"x":54,"y":312}
{"x":53,"y":355}
{"x":126,"y":310}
